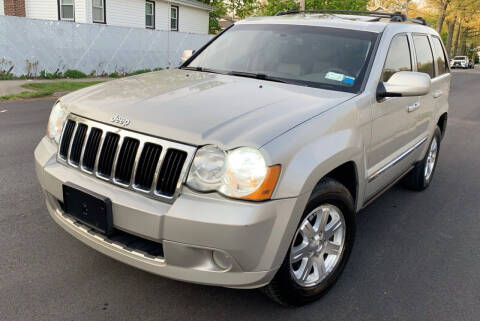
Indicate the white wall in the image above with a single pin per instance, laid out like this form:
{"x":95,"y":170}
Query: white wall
{"x":127,"y":13}
{"x":81,"y":11}
{"x":90,"y":47}
{"x":1,"y":7}
{"x":41,"y":9}
{"x":193,"y":20}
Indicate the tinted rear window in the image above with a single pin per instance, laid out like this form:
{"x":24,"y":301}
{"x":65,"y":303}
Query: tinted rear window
{"x":440,"y":59}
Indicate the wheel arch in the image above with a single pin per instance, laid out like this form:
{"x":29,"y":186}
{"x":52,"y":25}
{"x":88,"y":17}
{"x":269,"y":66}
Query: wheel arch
{"x":347,"y":175}
{"x":442,"y":123}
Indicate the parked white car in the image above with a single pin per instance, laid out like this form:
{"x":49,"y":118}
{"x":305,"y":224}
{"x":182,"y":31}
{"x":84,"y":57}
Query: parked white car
{"x":460,"y":62}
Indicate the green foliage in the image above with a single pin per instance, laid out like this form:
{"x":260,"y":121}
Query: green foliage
{"x":336,"y":4}
{"x":47,"y":75}
{"x":6,"y":76}
{"x":271,"y":8}
{"x":139,"y":72}
{"x":72,"y":73}
{"x":220,"y":11}
{"x":43,"y":89}
{"x":114,"y":75}
{"x":243,"y":8}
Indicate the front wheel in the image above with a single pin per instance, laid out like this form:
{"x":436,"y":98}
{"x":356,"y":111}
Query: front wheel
{"x":320,"y":247}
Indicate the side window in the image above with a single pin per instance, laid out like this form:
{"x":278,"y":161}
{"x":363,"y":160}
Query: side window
{"x":67,"y":10}
{"x":440,"y":59}
{"x":150,"y":14}
{"x":398,"y":57}
{"x":424,"y":55}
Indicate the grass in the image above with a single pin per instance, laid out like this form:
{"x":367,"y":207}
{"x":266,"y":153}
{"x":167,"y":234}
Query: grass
{"x":48,"y":88}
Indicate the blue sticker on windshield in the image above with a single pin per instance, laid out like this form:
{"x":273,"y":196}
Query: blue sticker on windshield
{"x":348,"y":80}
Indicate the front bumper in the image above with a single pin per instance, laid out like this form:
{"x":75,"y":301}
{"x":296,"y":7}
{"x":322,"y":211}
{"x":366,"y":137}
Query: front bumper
{"x":251,"y":238}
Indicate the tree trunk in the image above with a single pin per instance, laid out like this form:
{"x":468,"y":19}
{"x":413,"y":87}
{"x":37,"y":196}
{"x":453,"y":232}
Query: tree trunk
{"x":441,"y":17}
{"x":463,"y":46}
{"x":451,"y":30}
{"x":457,"y":38}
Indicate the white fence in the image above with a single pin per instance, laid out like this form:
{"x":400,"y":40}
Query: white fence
{"x":28,"y":46}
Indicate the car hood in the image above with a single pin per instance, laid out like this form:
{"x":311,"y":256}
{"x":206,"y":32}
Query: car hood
{"x":200,"y":108}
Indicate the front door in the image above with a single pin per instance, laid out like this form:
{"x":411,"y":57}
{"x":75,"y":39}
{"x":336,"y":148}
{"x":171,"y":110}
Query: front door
{"x":394,"y":128}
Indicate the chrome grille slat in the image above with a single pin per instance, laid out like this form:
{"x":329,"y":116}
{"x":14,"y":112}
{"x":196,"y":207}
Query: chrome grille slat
{"x":82,"y":153}
{"x":77,"y":144}
{"x":66,"y":138}
{"x":92,"y":148}
{"x":71,"y":142}
{"x":130,"y":164}
{"x":100,"y":147}
{"x":115,"y":158}
{"x":135,"y":163}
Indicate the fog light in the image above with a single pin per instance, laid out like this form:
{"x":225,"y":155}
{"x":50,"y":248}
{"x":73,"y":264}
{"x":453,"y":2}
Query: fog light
{"x":222,"y":260}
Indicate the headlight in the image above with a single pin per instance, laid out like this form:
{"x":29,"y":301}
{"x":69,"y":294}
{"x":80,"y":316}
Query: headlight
{"x":239,"y":173}
{"x":56,"y":122}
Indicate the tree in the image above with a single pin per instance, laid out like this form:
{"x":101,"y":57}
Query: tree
{"x":219,"y":12}
{"x":241,"y":8}
{"x":272,"y":7}
{"x":336,"y":4}
{"x":441,"y":17}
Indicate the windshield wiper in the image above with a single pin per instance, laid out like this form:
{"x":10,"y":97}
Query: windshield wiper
{"x":257,"y":76}
{"x":202,"y":69}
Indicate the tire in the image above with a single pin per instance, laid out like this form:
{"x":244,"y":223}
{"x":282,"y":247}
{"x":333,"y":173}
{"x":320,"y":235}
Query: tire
{"x":329,"y":198}
{"x":418,"y":179}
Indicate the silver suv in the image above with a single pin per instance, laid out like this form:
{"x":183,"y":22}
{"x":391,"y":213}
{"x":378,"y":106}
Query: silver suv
{"x":245,"y":167}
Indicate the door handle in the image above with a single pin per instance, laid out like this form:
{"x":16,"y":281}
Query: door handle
{"x":437,"y":93}
{"x":413,"y":107}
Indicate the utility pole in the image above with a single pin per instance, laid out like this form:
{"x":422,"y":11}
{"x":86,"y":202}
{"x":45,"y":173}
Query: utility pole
{"x":302,"y":4}
{"x":406,"y":7}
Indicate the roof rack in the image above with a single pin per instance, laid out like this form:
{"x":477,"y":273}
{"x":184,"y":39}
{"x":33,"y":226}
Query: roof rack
{"x":394,"y":17}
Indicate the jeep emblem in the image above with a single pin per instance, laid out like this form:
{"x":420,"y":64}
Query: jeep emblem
{"x":120,"y":120}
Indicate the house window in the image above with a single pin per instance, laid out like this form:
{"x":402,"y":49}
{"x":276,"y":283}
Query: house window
{"x":150,"y":14}
{"x":67,"y":10}
{"x":98,"y":11}
{"x":174,"y":18}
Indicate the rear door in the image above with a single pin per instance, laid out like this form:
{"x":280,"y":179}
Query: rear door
{"x":441,"y":82}
{"x":423,"y":114}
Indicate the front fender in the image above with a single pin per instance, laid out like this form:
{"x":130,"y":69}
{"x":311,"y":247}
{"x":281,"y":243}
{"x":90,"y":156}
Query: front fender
{"x":310,"y":151}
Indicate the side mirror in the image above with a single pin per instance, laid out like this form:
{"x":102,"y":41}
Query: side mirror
{"x":405,"y":84}
{"x":187,"y":54}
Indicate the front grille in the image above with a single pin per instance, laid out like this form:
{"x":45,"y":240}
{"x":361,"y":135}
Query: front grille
{"x":107,"y":155}
{"x":145,"y":164}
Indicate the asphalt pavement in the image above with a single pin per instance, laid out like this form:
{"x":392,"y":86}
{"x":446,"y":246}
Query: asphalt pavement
{"x":417,"y":255}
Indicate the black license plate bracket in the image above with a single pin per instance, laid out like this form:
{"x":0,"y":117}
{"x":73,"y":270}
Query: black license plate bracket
{"x":89,"y":208}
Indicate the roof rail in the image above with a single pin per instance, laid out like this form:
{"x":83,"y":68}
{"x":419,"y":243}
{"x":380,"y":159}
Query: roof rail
{"x":394,"y":17}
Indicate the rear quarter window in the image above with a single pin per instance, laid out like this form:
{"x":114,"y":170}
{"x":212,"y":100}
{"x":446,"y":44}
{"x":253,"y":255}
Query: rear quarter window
{"x":440,"y":59}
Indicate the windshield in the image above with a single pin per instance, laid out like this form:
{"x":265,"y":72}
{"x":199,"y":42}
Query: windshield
{"x":320,"y":57}
{"x":460,"y":58}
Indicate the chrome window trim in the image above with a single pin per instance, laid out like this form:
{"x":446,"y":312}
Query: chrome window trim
{"x":396,"y":160}
{"x":143,"y":139}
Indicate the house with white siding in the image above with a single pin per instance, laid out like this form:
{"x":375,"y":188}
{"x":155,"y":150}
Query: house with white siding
{"x":190,"y":16}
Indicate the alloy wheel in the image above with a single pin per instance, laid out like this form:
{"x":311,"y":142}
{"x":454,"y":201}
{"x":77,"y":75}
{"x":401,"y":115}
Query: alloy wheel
{"x":431,"y":159}
{"x":318,"y":245}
